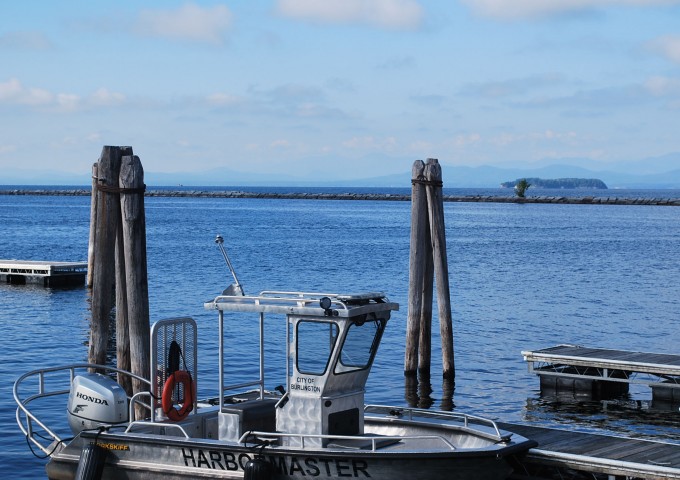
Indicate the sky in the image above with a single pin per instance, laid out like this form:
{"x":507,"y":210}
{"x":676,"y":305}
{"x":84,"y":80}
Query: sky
{"x":337,"y":88}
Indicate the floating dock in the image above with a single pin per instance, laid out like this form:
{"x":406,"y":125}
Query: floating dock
{"x":595,"y":454}
{"x":603,"y":373}
{"x":48,"y":274}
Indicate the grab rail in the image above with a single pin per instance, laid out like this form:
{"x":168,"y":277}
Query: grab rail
{"x":31,"y":419}
{"x":398,"y":412}
{"x":374,"y":439}
{"x":134,"y":400}
{"x":147,"y":423}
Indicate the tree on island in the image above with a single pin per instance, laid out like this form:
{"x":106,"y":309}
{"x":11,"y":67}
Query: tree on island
{"x":521,"y":187}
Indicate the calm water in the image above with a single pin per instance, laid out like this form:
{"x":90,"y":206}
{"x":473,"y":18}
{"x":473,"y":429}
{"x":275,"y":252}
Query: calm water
{"x":522,"y":277}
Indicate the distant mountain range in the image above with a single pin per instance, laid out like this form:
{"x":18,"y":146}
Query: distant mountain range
{"x":656,"y":172}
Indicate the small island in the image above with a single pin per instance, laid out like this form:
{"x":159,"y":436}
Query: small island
{"x":573,"y":183}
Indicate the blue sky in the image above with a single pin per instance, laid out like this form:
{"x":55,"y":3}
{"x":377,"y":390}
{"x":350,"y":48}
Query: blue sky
{"x":338,"y":88}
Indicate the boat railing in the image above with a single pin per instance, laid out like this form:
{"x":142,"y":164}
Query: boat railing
{"x":134,"y":400}
{"x":28,"y":420}
{"x":377,"y":441}
{"x":468,"y":422}
{"x":145,"y":424}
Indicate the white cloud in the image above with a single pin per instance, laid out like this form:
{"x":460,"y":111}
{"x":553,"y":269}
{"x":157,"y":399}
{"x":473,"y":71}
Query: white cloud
{"x":12,"y":91}
{"x":223,"y":99}
{"x":518,"y":9}
{"x":466,"y":139}
{"x":513,"y":87}
{"x":189,"y":22}
{"x":668,"y":46}
{"x":369,"y":142}
{"x":106,"y":98}
{"x":67,"y":101}
{"x":15,"y":93}
{"x":281,"y":144}
{"x":390,"y":14}
{"x":548,"y":136}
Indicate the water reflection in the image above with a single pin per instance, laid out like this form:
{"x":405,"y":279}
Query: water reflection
{"x":649,"y":419}
{"x":418,"y":392}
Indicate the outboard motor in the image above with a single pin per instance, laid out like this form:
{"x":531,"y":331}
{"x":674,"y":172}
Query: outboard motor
{"x":95,"y":400}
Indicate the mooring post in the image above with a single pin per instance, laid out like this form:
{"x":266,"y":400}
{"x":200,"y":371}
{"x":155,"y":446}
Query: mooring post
{"x":107,"y":224}
{"x":134,"y":241}
{"x":419,"y":249}
{"x":122,"y":328}
{"x":93,"y":223}
{"x":425,"y":347}
{"x":433,"y":175}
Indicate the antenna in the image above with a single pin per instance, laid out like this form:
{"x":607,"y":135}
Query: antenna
{"x":235,"y":289}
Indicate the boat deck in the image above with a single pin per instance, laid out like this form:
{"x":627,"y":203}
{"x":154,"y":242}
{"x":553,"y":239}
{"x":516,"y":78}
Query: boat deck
{"x":44,"y":273}
{"x":598,"y":454}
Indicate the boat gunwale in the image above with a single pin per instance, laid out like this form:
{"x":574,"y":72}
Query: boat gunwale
{"x":498,"y":451}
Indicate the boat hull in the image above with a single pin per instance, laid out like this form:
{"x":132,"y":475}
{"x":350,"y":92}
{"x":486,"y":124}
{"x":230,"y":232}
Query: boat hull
{"x":131,"y":457}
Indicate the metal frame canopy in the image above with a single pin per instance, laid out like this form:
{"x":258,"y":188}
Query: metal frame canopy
{"x":304,"y":303}
{"x":314,"y":307}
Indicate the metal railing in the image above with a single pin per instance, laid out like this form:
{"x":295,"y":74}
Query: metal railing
{"x":146,"y":424}
{"x":467,"y":422}
{"x":28,"y":420}
{"x":374,"y":439}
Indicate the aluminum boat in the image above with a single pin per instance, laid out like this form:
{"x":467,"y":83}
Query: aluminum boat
{"x":314,"y":425}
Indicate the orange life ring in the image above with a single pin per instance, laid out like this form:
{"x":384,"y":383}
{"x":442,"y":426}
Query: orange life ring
{"x":183,"y":377}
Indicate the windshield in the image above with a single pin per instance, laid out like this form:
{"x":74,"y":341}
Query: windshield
{"x":315,"y":343}
{"x":360,"y":345}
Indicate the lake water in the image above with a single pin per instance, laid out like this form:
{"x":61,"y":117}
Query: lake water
{"x":522,"y":277}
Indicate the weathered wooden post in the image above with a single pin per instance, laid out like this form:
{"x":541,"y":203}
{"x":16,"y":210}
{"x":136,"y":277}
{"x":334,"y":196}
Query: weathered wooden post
{"x":107,"y":221}
{"x":425,"y":346}
{"x":433,"y":174}
{"x":122,"y":328}
{"x":419,"y":252}
{"x":93,"y":223}
{"x":427,"y":262}
{"x":134,"y":242}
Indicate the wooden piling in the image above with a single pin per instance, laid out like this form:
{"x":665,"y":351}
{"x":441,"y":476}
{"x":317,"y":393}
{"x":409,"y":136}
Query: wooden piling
{"x":433,"y":174}
{"x":134,"y":242}
{"x":107,"y":221}
{"x":122,"y":324}
{"x":427,"y":262}
{"x":417,"y":261}
{"x":425,"y":343}
{"x":93,"y":223}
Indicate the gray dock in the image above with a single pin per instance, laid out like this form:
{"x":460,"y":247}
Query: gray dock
{"x":48,"y":274}
{"x":605,"y":373}
{"x":596,"y":454}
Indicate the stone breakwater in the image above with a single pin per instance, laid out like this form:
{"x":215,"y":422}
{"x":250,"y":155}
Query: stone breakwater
{"x":585,"y":200}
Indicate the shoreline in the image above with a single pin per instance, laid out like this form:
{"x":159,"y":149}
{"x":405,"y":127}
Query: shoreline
{"x":584,"y":200}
